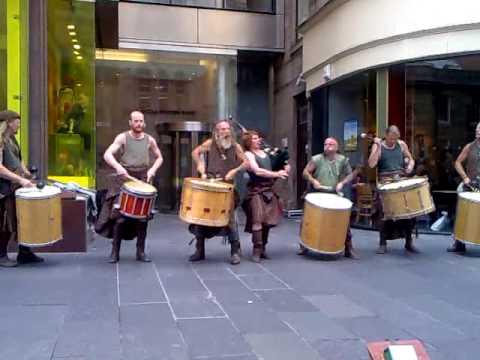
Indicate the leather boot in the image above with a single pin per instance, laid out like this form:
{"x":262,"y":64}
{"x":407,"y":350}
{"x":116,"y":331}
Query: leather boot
{"x":235,"y":252}
{"x":409,"y":244}
{"x":257,"y":245}
{"x":349,"y":252}
{"x":199,"y":253}
{"x":457,"y":246}
{"x":141,"y":238}
{"x":4,"y":260}
{"x":115,"y":254}
{"x":382,"y":247}
{"x":265,"y":231}
{"x":26,"y":256}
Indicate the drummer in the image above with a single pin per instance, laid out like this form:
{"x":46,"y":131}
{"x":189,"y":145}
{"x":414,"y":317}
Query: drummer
{"x":262,"y":205}
{"x":390,"y":156}
{"x":134,"y":148}
{"x":470,"y":154}
{"x":330,"y":172}
{"x":220,"y":157}
{"x":13,"y":174}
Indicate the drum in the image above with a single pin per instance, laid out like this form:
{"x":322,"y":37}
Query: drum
{"x":406,"y":199}
{"x":39,"y":216}
{"x":206,"y":202}
{"x":326,"y":218}
{"x":137,"y":199}
{"x":467,"y":224}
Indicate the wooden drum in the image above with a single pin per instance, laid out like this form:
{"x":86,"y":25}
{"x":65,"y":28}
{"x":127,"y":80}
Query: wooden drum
{"x":406,"y":199}
{"x":137,"y":199}
{"x":39,"y":216}
{"x":467,"y":221}
{"x":206,"y":202}
{"x":326,"y":218}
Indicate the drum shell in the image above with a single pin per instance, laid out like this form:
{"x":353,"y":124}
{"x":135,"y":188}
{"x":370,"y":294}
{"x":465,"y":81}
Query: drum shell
{"x":205,"y":205}
{"x":407,"y":202}
{"x":134,"y":205}
{"x":467,"y":224}
{"x":39,"y":220}
{"x":324,"y":230}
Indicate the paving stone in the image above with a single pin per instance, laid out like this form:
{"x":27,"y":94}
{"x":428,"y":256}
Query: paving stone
{"x":212,"y":337}
{"x":342,"y":349}
{"x":262,"y":282}
{"x":281,"y":346}
{"x":230,"y":291}
{"x":138,"y":283}
{"x":375,"y":329}
{"x":338,"y":306}
{"x":196,"y":306}
{"x":286,"y":301}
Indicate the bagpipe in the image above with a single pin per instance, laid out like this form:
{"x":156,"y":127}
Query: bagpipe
{"x":279,"y":156}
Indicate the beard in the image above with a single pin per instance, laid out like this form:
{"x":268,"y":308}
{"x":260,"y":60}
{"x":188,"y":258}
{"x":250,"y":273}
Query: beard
{"x":224,"y":142}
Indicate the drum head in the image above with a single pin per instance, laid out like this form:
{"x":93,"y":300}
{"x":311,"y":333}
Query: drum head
{"x":139,"y":187}
{"x":36,"y":193}
{"x":214,"y":185}
{"x":402,"y":184}
{"x":471,"y":196}
{"x":328,"y":201}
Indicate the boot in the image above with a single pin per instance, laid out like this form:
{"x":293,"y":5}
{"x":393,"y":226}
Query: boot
{"x":141,"y":238}
{"x":26,"y":256}
{"x":115,"y":254}
{"x":302,"y":250}
{"x":4,"y":260}
{"x":409,"y":245}
{"x":349,"y":252}
{"x":457,"y":246}
{"x":235,"y":252}
{"x":199,"y":253}
{"x":382,"y":247}
{"x":257,"y":245}
{"x":265,"y":231}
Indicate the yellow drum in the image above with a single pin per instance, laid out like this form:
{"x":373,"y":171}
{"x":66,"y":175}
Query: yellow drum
{"x":406,"y":199}
{"x":206,"y":202}
{"x":325,"y":223}
{"x":467,"y":221}
{"x":39,"y":216}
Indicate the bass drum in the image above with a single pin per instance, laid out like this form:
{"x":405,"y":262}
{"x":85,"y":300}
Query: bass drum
{"x":467,"y":221}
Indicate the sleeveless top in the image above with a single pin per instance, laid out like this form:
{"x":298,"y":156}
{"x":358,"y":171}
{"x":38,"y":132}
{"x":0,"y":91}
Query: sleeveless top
{"x":391,"y":160}
{"x":473,"y":161}
{"x":329,"y":173}
{"x":263,"y":163}
{"x":12,"y":160}
{"x":135,"y":154}
{"x":220,"y":162}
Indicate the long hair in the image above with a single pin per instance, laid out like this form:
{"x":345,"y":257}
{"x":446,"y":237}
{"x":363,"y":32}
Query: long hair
{"x":232,"y":130}
{"x":5,"y":117}
{"x":247,"y":139}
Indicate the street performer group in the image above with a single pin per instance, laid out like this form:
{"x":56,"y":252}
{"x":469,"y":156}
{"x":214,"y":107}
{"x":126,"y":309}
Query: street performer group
{"x":211,"y":200}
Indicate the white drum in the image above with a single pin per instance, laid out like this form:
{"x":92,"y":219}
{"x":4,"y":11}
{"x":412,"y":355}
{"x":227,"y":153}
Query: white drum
{"x":39,"y":216}
{"x":325,"y":223}
{"x":467,"y":221}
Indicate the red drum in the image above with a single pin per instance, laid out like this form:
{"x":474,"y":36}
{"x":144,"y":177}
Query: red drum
{"x":137,"y":199}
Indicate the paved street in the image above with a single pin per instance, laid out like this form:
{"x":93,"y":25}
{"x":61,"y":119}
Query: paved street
{"x":77,"y":306}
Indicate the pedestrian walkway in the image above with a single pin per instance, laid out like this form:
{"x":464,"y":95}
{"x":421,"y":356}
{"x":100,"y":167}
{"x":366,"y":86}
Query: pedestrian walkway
{"x":77,"y":306}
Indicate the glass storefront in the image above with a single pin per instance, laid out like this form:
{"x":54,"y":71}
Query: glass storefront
{"x":243,"y":5}
{"x":71,"y":91}
{"x":181,"y":95}
{"x":14,"y":63}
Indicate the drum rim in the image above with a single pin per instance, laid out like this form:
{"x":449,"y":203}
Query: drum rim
{"x":321,"y":252}
{"x":467,"y":242}
{"x":40,"y":245}
{"x":325,"y":208}
{"x":199,"y":221}
{"x":227,"y":186}
{"x":412,"y":215}
{"x":467,"y":199}
{"x":19,"y":195}
{"x":139,"y":192}
{"x":406,"y":188}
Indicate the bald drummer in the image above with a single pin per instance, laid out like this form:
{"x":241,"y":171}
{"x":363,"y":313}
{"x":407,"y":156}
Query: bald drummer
{"x":134,"y":148}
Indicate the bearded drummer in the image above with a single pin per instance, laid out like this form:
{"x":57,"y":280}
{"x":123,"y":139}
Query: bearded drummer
{"x":134,"y":148}
{"x":330,"y":172}
{"x":13,"y":174}
{"x":390,"y":156}
{"x":470,"y":155}
{"x":220,"y":157}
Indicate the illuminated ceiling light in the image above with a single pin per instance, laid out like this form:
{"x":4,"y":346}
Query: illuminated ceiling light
{"x":77,"y":47}
{"x":74,"y":40}
{"x":76,"y":52}
{"x":79,"y":57}
{"x":71,"y":27}
{"x":72,"y":33}
{"x":116,"y":55}
{"x":78,"y":84}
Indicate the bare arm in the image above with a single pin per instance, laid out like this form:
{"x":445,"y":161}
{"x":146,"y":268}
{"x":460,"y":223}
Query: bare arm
{"x":408,"y":155}
{"x":257,"y":170}
{"x":196,"y":156}
{"x":153,"y":147}
{"x":109,"y":155}
{"x":9,"y":175}
{"x":244,"y":165}
{"x":375,"y":153}
{"x":307,"y":174}
{"x":459,"y":164}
